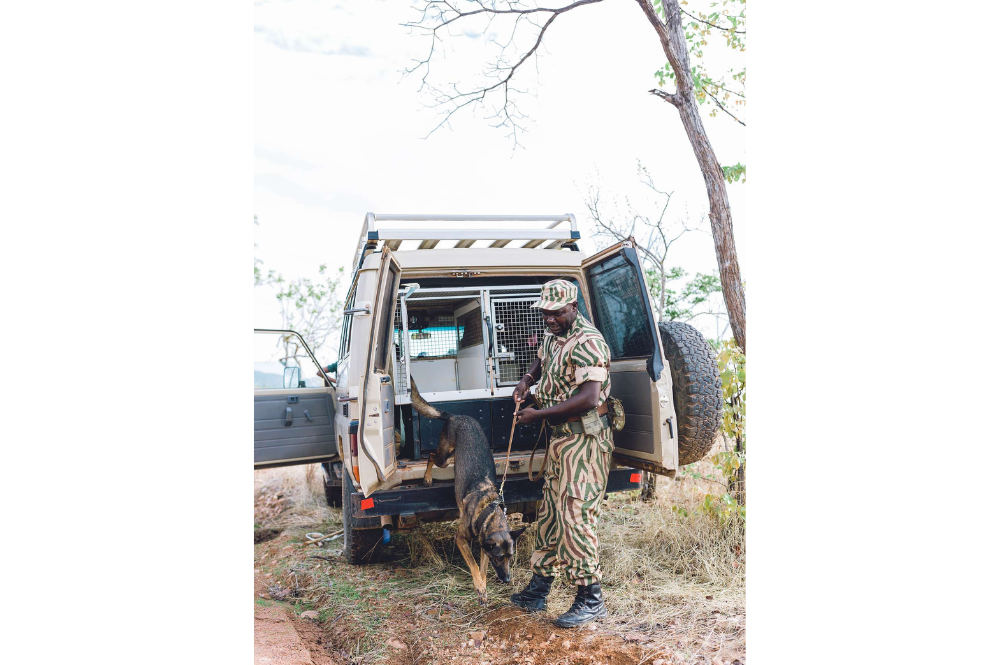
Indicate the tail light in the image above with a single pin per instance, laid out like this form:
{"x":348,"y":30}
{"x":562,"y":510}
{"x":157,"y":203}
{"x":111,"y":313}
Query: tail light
{"x":354,"y":457}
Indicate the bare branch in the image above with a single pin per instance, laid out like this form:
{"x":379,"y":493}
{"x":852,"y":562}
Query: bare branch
{"x":721,"y":106}
{"x":717,"y":27}
{"x":665,"y":96}
{"x":440,"y":14}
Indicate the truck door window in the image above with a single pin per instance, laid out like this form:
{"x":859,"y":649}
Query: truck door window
{"x":386,"y":304}
{"x":621,"y":316}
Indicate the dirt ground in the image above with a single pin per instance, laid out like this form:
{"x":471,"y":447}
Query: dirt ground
{"x":505,"y":635}
{"x":416,"y":605}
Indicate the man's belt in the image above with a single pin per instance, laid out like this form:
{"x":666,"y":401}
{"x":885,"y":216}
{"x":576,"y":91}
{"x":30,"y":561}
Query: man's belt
{"x":572,"y":427}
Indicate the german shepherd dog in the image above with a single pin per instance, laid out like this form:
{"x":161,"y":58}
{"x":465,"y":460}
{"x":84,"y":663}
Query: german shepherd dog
{"x":481,"y":516}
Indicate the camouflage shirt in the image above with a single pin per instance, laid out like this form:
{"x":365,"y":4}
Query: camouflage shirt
{"x":570,"y":360}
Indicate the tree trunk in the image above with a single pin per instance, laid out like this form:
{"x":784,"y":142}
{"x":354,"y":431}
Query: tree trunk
{"x":738,"y":483}
{"x":674,"y":46}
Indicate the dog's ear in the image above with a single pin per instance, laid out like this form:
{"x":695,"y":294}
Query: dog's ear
{"x":514,"y":535}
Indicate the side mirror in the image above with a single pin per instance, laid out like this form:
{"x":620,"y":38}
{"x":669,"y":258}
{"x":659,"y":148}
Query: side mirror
{"x":291,"y":378}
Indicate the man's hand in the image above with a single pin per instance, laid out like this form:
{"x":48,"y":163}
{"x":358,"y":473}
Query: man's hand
{"x":521,"y":390}
{"x":528,"y":415}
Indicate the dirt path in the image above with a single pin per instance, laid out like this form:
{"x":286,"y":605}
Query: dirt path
{"x":279,"y":638}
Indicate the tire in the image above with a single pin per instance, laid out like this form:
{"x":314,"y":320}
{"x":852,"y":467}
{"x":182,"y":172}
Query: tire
{"x":697,"y":389}
{"x":335,"y":491}
{"x":362,"y":536}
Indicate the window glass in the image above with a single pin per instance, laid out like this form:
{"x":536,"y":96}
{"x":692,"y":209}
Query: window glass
{"x":621,"y":312}
{"x":386,"y":304}
{"x":346,"y":325}
{"x":273,"y":354}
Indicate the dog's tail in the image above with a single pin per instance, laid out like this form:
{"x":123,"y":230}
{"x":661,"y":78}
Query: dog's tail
{"x":422,"y":407}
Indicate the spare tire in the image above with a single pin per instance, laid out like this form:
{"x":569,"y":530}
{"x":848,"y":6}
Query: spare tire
{"x":697,"y":389}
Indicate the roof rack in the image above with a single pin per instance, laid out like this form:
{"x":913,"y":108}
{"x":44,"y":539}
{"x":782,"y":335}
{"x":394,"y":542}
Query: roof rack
{"x":555,"y":234}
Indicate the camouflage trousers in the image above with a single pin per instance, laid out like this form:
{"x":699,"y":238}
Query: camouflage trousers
{"x":575,"y":479}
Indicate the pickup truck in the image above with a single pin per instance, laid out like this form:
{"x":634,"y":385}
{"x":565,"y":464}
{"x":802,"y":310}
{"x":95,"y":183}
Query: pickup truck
{"x":450,"y":307}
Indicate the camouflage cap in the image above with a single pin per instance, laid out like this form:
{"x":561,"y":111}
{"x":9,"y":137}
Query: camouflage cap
{"x":556,"y":294}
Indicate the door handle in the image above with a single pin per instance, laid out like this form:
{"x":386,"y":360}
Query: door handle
{"x":308,"y":417}
{"x":288,"y":416}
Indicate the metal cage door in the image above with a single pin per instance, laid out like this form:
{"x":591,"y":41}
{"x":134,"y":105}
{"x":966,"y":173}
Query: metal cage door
{"x":517,"y":334}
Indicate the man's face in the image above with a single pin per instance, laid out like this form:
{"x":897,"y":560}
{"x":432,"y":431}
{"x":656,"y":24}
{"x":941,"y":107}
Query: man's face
{"x":558,"y":321}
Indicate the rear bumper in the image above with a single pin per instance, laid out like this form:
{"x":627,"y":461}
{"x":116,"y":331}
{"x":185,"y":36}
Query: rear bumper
{"x":441,"y":496}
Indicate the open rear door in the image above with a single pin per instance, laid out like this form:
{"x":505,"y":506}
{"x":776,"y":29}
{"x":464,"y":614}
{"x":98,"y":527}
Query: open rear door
{"x":374,"y":459}
{"x":622,"y":312}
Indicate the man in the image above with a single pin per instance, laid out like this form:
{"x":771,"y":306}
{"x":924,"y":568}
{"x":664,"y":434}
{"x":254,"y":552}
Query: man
{"x":571,"y":373}
{"x":332,"y":367}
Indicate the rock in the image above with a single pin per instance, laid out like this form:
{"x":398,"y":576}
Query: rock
{"x":310,"y":614}
{"x":592,"y":626}
{"x":396,"y":644}
{"x":566,"y":644}
{"x":660,"y":661}
{"x":471,"y":642}
{"x":478,"y":635}
{"x":552,"y":637}
{"x":637,"y":637}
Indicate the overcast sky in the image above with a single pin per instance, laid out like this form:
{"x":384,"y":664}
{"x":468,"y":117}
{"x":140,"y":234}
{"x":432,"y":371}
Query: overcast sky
{"x":338,"y":131}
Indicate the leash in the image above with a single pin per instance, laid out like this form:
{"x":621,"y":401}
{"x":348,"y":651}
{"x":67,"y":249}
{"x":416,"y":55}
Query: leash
{"x":545,"y":460}
{"x":531,"y":460}
{"x":510,"y":443}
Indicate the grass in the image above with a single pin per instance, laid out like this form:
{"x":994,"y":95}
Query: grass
{"x":675,"y":575}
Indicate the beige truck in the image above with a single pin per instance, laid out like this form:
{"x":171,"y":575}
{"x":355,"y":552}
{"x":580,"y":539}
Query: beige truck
{"x":445,"y":299}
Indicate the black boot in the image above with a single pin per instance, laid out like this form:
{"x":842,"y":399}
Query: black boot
{"x":533,"y":596}
{"x":589,"y":605}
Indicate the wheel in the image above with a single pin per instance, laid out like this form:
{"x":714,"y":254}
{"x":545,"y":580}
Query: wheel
{"x":332,"y":485}
{"x":697,"y":389}
{"x":362,"y":536}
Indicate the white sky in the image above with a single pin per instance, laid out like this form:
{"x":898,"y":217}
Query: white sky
{"x":339,"y":132}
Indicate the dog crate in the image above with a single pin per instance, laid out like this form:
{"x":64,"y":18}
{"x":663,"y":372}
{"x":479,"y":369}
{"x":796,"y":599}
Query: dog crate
{"x":458,"y":343}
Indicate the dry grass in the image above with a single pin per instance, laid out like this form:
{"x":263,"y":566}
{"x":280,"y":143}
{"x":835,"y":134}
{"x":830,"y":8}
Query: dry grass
{"x":676,"y":580}
{"x":291,"y":497}
{"x":680,"y":574}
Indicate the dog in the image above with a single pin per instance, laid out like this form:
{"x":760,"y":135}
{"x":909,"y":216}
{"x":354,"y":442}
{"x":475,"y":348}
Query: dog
{"x":481,"y":516}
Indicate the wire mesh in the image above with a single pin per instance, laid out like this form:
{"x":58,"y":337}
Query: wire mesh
{"x":433,"y":336}
{"x":518,"y":328}
{"x":402,"y":379}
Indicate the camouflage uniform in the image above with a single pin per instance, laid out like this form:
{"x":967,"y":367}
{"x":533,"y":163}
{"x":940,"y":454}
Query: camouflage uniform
{"x":577,"y":471}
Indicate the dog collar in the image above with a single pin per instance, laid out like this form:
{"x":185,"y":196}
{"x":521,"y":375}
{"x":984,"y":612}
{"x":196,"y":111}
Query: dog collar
{"x":481,"y":522}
